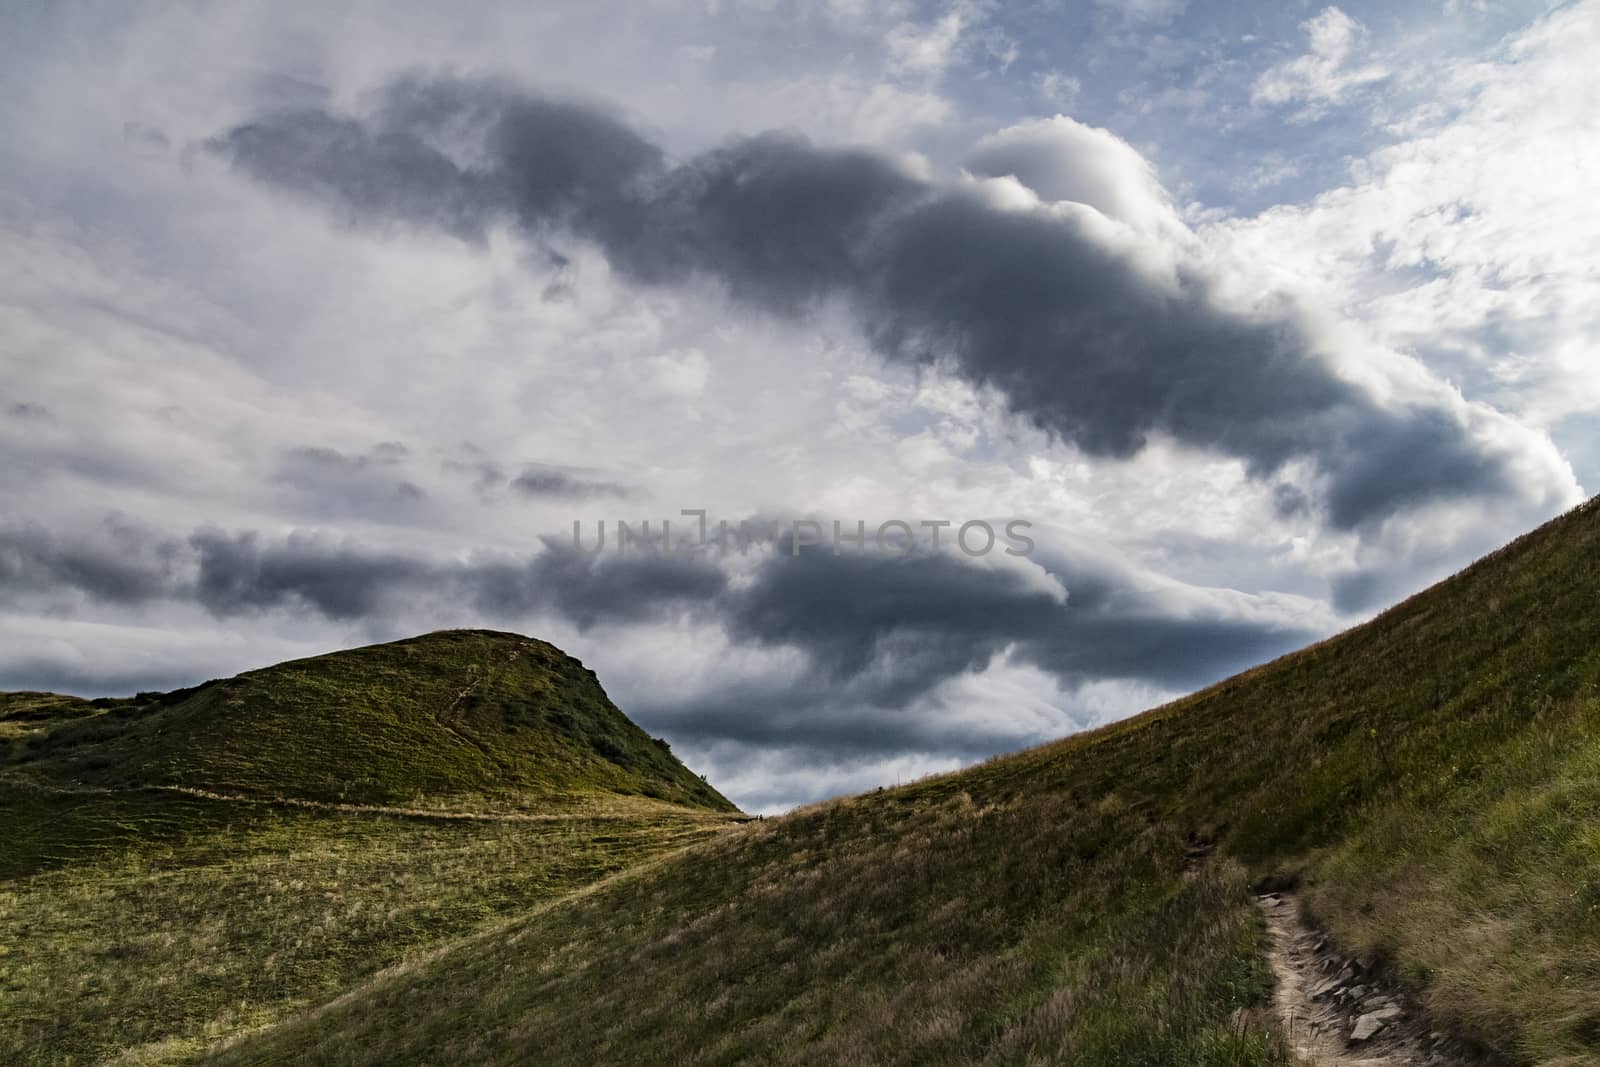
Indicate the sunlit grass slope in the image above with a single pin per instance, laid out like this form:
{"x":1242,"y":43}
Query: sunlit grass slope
{"x":1431,"y":779}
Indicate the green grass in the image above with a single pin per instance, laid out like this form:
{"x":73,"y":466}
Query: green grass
{"x":180,"y":867}
{"x":901,"y":930}
{"x":465,"y":718}
{"x":1431,"y":780}
{"x":235,"y":915}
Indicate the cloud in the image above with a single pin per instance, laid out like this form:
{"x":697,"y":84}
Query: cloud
{"x":238,"y":573}
{"x":1064,"y":160}
{"x":590,"y":588}
{"x":1325,"y":75}
{"x":146,"y":139}
{"x":935,"y":659}
{"x":926,"y":49}
{"x":1103,"y":337}
{"x":365,"y":483}
{"x":1057,"y":88}
{"x":898,"y":626}
{"x":542,"y":481}
{"x":883,"y":628}
{"x":622,"y":351}
{"x":117,"y":562}
{"x":901,"y":624}
{"x":1463,"y":238}
{"x":230,"y":574}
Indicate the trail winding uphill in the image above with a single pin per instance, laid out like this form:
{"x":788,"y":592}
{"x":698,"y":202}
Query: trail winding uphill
{"x":1331,"y":1011}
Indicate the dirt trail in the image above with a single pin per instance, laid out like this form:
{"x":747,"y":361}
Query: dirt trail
{"x":1332,"y":1013}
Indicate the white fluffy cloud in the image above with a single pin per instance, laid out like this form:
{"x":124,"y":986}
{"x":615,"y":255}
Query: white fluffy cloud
{"x":1062,"y":159}
{"x":1330,"y":70}
{"x":1467,"y":240}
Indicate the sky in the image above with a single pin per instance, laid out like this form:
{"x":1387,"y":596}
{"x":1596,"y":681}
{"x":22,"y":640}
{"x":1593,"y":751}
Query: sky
{"x":332,"y":323}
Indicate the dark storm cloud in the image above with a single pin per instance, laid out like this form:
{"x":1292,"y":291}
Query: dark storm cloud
{"x":903,"y":624}
{"x":1109,"y":628}
{"x":534,"y":480}
{"x":239,"y":573}
{"x":1397,"y":461}
{"x":118,"y":562}
{"x":881,"y":634}
{"x":826,"y":722}
{"x":375,"y":177}
{"x":244,"y":572}
{"x":1289,"y":500}
{"x":1358,"y":590}
{"x":1073,"y":333}
{"x":589,"y":588}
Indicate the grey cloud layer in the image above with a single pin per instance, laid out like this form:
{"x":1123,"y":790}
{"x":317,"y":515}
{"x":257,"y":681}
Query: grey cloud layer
{"x":118,"y":562}
{"x":230,"y":574}
{"x":879,"y":633}
{"x":552,"y":482}
{"x":1031,"y":302}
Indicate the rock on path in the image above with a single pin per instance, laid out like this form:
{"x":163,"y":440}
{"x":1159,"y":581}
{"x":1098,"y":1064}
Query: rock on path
{"x":1331,"y":1011}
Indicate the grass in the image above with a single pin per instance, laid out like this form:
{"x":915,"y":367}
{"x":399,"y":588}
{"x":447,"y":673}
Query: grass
{"x":180,"y":867}
{"x":254,"y":912}
{"x":1430,"y":780}
{"x":465,"y":718}
{"x":868,"y":931}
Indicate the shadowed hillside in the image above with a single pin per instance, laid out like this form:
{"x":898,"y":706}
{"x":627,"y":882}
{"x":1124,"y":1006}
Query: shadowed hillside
{"x":1431,"y":781}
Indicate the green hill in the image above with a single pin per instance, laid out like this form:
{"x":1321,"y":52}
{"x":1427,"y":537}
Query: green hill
{"x":180,"y":867}
{"x":1430,"y":781}
{"x":451,"y":718}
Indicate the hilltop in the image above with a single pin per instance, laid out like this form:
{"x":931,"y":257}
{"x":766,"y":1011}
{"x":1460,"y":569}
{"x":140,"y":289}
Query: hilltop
{"x":182,"y":866}
{"x":1429,"y":782}
{"x":450,"y":718}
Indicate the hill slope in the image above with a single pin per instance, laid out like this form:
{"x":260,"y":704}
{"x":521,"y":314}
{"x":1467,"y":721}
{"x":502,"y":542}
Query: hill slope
{"x":441,"y":719}
{"x":1431,"y":780}
{"x":179,"y":867}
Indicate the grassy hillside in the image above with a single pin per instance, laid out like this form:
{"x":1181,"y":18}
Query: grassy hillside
{"x":462,"y":717}
{"x":179,"y":867}
{"x":156,"y":949}
{"x":1431,"y":780}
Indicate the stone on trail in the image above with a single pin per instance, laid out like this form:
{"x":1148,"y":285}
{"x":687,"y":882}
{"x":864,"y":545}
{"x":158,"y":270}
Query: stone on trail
{"x":1366,"y":1027}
